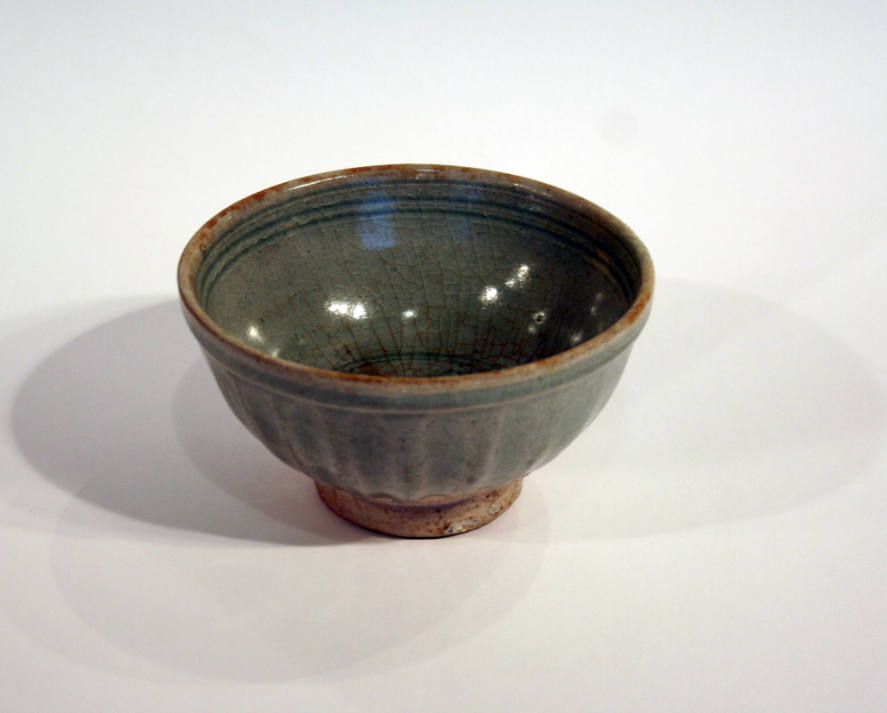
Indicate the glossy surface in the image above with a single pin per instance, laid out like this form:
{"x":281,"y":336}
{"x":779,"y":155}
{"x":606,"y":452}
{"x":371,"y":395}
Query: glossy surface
{"x":415,"y":331}
{"x":415,"y":275}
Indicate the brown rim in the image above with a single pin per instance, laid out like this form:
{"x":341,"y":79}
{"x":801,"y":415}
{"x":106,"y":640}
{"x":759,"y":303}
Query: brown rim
{"x":620,"y":331}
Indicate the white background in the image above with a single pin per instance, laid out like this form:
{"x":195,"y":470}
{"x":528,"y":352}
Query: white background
{"x":716,"y":541}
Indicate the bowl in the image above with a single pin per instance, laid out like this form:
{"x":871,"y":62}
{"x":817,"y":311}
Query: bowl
{"x":416,"y":338}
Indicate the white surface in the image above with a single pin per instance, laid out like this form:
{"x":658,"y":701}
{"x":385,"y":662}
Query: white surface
{"x":716,"y":541}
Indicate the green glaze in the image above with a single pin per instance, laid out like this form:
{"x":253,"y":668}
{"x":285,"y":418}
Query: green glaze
{"x":415,"y":331}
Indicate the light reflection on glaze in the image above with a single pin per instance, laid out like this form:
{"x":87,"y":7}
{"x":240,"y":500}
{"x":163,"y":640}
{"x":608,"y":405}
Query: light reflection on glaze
{"x":355,"y":310}
{"x":517,"y":280}
{"x":519,"y":277}
{"x":489,"y":294}
{"x":255,"y":334}
{"x":409,"y":314}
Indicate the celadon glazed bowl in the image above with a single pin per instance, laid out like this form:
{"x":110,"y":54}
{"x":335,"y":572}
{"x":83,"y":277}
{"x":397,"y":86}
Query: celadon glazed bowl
{"x":416,"y":338}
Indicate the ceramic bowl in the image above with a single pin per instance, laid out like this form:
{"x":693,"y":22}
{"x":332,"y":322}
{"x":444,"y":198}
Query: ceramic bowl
{"x":416,"y":338}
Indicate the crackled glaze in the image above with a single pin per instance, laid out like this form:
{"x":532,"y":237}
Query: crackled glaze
{"x":407,"y":277}
{"x":415,"y":331}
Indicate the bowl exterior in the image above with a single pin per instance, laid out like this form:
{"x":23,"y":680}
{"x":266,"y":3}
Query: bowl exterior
{"x":409,"y":439}
{"x":409,"y":449}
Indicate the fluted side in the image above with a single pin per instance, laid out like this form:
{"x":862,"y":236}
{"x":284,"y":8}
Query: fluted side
{"x":413,"y":454}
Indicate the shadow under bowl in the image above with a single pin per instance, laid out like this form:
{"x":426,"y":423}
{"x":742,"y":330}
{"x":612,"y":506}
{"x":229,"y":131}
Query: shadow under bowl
{"x":416,"y":338}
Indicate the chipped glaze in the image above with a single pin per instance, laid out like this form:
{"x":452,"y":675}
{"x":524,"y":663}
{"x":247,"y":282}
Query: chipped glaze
{"x":413,"y":332}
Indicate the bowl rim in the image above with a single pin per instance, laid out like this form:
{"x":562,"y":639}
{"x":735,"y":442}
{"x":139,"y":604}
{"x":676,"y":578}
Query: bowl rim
{"x":599,"y":348}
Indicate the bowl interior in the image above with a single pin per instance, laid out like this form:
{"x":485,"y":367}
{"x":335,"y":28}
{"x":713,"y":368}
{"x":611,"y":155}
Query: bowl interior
{"x":417,"y":275}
